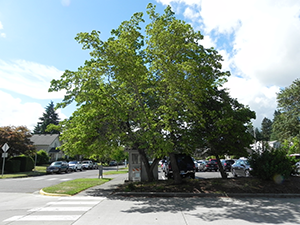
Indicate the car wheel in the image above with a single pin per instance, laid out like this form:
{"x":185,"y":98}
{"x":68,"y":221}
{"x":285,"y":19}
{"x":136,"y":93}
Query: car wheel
{"x":233,"y":173}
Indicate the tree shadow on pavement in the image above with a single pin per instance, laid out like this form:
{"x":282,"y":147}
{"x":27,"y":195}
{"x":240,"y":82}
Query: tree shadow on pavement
{"x":254,"y":210}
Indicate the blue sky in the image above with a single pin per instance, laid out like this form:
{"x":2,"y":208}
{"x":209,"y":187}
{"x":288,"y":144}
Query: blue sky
{"x":259,"y":41}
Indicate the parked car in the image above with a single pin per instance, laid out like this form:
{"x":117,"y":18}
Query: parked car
{"x":196,"y":164}
{"x":75,"y":166}
{"x":58,"y":167}
{"x":113,"y":163}
{"x":95,"y":166}
{"x":164,"y":165}
{"x":87,"y":164}
{"x":227,"y":163}
{"x":185,"y":164}
{"x":212,"y":165}
{"x":241,"y":168}
{"x":201,"y":165}
{"x":297,"y":168}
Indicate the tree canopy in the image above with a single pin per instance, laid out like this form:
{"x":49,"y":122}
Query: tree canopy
{"x":144,"y":87}
{"x":287,"y":121}
{"x":18,"y":140}
{"x":224,"y":130}
{"x":49,"y":117}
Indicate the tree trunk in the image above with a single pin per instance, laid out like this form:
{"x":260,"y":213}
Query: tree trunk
{"x":221,"y":169}
{"x":153,"y":165}
{"x":175,"y":169}
{"x":145,"y":161}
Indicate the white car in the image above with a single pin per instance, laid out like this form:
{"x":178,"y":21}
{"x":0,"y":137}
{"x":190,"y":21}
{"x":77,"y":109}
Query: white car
{"x":201,"y":165}
{"x":75,"y":166}
{"x":87,"y":164}
{"x":297,"y":168}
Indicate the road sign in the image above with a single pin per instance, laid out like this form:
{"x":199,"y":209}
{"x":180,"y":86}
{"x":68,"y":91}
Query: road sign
{"x":5,"y":147}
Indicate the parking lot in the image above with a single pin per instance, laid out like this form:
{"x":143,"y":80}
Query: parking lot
{"x":198,"y":175}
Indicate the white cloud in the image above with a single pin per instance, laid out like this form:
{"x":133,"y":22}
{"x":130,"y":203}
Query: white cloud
{"x":2,"y":34}
{"x":251,"y":92}
{"x":259,"y":41}
{"x":29,"y":78}
{"x":14,"y":112}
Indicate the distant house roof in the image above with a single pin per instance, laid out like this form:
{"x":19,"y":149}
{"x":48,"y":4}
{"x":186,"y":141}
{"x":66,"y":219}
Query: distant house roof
{"x":43,"y":139}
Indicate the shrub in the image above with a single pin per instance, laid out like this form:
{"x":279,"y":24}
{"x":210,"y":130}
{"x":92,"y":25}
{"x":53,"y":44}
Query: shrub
{"x":12,"y":166}
{"x":26,"y":163}
{"x":268,"y":164}
{"x":42,"y":157}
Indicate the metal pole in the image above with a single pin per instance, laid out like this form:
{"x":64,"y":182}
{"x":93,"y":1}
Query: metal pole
{"x":35,"y":162}
{"x":3,"y":165}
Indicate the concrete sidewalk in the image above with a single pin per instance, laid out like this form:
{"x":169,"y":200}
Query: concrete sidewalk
{"x":134,"y":209}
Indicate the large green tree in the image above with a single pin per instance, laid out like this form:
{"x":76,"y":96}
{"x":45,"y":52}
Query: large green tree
{"x":287,"y":122}
{"x":18,"y":140}
{"x":139,"y":89}
{"x":49,"y":117}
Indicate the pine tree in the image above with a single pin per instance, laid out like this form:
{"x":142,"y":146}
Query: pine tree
{"x":49,"y":117}
{"x":266,"y":129}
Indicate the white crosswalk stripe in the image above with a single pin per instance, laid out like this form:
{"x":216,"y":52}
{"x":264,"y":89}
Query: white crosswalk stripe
{"x":71,"y":208}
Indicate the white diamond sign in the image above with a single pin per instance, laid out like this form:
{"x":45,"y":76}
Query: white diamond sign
{"x":5,"y":147}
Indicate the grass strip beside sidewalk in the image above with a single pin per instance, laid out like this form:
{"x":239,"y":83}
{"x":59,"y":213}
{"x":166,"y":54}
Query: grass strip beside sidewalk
{"x":73,"y":187}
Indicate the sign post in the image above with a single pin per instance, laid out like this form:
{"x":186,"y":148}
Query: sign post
{"x":5,"y":147}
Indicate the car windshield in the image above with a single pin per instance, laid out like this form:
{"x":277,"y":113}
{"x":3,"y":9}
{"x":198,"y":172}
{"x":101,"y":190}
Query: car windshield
{"x":73,"y":162}
{"x":55,"y":163}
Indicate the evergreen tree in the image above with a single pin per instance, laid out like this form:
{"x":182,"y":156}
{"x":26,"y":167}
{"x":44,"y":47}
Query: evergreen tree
{"x":275,"y":134}
{"x":287,"y":123}
{"x":258,"y":135}
{"x":49,"y":117}
{"x":266,"y":129}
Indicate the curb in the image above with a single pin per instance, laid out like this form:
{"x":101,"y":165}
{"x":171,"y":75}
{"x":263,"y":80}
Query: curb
{"x":54,"y":195}
{"x":203,"y":195}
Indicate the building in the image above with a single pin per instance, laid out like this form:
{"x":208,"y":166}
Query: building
{"x":49,"y":143}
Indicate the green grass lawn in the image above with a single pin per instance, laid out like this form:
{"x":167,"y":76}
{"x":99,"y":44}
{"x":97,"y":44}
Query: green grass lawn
{"x":73,"y":187}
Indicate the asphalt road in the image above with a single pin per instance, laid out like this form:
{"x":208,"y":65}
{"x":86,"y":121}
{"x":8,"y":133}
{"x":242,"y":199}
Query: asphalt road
{"x":34,"y":184}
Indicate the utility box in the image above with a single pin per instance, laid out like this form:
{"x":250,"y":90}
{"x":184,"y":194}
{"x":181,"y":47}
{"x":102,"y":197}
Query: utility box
{"x":137,"y":171}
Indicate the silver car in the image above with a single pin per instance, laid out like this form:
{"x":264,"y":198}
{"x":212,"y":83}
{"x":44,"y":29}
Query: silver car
{"x":87,"y":164}
{"x":201,"y":165}
{"x":75,"y":165}
{"x":241,"y":168}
